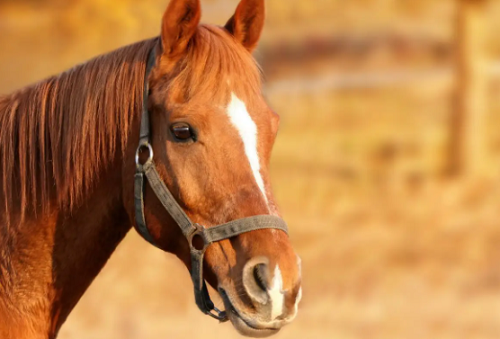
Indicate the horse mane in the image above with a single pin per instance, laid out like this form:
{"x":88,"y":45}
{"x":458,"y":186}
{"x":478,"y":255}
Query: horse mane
{"x":57,"y":135}
{"x":61,"y":131}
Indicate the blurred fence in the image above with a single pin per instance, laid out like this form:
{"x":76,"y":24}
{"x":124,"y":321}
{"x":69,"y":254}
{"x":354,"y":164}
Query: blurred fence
{"x":462,"y":69}
{"x":408,"y":77}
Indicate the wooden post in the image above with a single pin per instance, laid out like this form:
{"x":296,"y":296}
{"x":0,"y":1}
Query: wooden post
{"x":468,"y":142}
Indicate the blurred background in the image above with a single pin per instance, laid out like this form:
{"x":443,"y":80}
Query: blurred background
{"x":386,"y":166}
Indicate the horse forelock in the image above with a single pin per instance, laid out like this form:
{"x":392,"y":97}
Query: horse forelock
{"x":214,"y":66}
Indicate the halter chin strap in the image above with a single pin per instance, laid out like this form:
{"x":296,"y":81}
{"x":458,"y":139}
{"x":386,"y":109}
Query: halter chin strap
{"x":147,"y":171}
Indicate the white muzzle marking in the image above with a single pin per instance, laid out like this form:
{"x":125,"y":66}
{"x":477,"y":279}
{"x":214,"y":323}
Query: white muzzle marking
{"x":276,"y":294}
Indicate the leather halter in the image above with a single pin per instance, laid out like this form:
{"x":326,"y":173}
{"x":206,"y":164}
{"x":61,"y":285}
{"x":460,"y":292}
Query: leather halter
{"x":147,"y":170}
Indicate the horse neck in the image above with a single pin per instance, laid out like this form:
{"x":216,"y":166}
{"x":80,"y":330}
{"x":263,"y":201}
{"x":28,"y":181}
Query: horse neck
{"x":48,"y":262}
{"x":48,"y":259}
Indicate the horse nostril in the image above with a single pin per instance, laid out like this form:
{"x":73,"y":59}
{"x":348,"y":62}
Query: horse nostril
{"x":261,"y":276}
{"x":256,"y":279}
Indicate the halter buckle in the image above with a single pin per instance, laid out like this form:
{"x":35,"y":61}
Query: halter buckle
{"x":143,"y":145}
{"x":219,"y":315}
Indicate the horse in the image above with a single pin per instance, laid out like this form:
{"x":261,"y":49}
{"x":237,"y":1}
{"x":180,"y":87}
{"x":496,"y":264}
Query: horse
{"x":77,"y":174}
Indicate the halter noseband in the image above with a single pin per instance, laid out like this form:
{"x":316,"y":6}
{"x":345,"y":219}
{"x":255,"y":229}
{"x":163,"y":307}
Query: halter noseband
{"x":189,"y":229}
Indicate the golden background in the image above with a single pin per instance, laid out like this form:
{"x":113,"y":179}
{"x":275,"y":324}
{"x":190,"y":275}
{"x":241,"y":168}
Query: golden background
{"x":393,"y":243}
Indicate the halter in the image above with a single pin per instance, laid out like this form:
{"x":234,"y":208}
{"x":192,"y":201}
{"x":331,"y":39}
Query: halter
{"x":189,"y":229}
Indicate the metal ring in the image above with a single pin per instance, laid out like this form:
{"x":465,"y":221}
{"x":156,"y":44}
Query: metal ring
{"x":150,"y":150}
{"x":198,"y":230}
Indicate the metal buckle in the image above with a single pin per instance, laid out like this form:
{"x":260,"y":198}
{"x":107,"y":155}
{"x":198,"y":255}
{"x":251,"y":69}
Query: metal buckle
{"x":142,"y":145}
{"x":219,"y":315}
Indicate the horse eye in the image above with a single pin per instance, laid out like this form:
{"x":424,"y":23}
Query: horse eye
{"x":182,"y":131}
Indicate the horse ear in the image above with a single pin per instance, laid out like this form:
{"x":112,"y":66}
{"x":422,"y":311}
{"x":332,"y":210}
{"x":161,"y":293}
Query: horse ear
{"x":247,"y":23}
{"x":180,"y":22}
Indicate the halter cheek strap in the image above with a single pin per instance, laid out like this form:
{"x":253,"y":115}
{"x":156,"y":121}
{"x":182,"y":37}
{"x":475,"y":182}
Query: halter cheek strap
{"x":146,"y":171}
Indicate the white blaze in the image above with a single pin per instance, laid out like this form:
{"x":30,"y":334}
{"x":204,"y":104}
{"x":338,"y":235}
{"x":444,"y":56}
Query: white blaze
{"x":241,"y":119}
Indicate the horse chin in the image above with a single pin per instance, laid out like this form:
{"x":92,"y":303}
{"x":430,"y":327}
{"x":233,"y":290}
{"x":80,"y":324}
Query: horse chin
{"x":244,"y":326}
{"x":245,"y":329}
